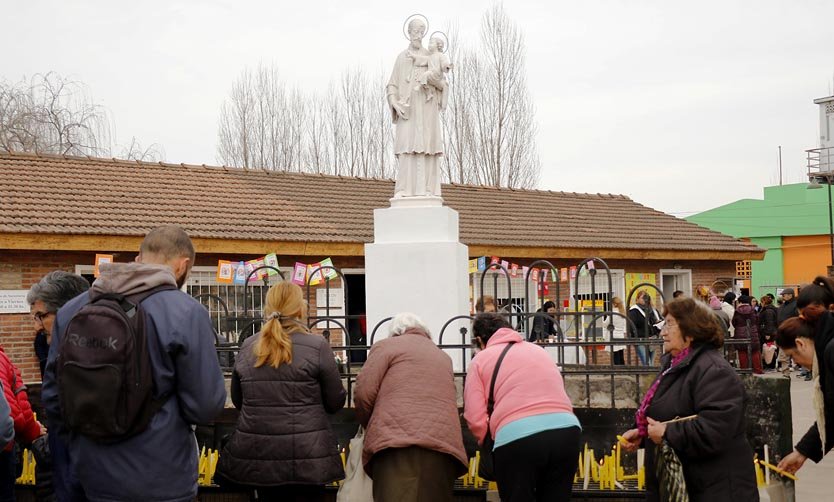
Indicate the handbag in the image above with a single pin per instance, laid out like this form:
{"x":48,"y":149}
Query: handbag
{"x":357,"y":486}
{"x":486,"y":466}
{"x":669,"y":471}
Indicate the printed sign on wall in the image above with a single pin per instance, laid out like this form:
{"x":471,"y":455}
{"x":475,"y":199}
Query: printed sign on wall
{"x":13,"y":301}
{"x":101,"y":259}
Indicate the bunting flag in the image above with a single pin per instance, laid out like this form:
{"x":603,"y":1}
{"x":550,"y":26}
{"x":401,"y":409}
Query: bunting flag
{"x":564,"y":274}
{"x":236,"y":272}
{"x":271,"y":260}
{"x":506,"y":265}
{"x":473,"y":266}
{"x":535,"y":275}
{"x":330,"y":273}
{"x":591,"y":265}
{"x":314,"y":276}
{"x":299,"y":274}
{"x":258,"y":264}
{"x":101,"y":259}
{"x":482,"y":263}
{"x":573,"y":272}
{"x":240,"y":273}
{"x":225,"y":272}
{"x":524,"y":270}
{"x":514,"y":270}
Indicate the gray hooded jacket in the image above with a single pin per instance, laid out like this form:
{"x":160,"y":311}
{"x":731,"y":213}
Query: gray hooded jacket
{"x":160,"y":464}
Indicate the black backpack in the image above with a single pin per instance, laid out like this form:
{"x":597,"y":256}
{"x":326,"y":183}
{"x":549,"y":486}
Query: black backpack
{"x":104,"y":373}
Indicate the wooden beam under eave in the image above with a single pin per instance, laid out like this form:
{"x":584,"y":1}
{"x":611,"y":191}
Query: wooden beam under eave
{"x":624,"y":254}
{"x":104,"y":243}
{"x":67,"y":242}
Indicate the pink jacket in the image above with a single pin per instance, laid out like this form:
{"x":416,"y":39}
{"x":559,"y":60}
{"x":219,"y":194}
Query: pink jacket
{"x":405,"y":396}
{"x":528,"y":384}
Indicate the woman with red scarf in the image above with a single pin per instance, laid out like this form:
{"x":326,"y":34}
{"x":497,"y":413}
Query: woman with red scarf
{"x":696,"y":380}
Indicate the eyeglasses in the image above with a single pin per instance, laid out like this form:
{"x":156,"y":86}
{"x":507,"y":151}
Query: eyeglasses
{"x":39,"y":316}
{"x":667,"y":325}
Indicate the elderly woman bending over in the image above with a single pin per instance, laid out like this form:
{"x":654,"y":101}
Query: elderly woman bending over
{"x":695,"y":379}
{"x":405,"y":398}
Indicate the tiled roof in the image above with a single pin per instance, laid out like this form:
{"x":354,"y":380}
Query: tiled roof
{"x":48,"y":194}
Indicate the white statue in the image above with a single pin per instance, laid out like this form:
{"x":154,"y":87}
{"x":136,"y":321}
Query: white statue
{"x":434,"y":80}
{"x":416,"y":93}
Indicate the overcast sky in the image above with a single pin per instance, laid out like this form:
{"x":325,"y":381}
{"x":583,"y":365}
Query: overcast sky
{"x":679,"y":105}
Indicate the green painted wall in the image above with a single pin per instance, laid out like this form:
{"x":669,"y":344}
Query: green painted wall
{"x":767,"y":272}
{"x":786,"y":210}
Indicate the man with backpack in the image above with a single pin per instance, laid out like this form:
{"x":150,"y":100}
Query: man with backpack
{"x":131,"y":369}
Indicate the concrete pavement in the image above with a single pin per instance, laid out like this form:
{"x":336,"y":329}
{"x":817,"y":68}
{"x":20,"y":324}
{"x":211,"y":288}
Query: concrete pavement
{"x":816,"y":481}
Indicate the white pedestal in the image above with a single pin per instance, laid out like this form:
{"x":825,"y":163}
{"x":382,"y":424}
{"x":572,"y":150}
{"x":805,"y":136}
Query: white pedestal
{"x":416,"y":264}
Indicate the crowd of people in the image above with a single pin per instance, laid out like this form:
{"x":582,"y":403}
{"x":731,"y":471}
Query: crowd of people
{"x":122,"y":405}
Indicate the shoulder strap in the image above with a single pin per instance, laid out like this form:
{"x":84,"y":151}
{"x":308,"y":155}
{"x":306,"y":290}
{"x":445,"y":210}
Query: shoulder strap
{"x":491,"y":400}
{"x":139,"y":297}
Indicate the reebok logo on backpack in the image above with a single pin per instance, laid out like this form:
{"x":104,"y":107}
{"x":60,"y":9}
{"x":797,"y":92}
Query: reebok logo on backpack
{"x":104,"y":374}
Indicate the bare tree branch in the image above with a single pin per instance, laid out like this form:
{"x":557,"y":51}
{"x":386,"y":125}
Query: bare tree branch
{"x":489,"y":125}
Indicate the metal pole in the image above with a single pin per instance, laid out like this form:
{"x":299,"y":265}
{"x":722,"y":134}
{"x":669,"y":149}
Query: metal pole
{"x":780,"y":165}
{"x":830,"y":225}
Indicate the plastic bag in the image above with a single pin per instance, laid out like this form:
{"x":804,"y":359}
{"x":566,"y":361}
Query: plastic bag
{"x":357,"y":486}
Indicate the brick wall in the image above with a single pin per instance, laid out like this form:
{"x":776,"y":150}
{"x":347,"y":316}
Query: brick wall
{"x":19,"y":270}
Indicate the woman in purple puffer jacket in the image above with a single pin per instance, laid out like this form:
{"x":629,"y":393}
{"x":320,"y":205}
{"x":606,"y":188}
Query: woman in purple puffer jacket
{"x":746,"y":324}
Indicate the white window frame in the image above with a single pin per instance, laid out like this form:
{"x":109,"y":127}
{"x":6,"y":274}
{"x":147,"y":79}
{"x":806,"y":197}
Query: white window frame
{"x":617,"y":282}
{"x":686,"y":272}
{"x":502,"y":283}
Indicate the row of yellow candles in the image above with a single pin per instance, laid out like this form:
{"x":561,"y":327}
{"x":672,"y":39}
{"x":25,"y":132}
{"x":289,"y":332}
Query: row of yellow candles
{"x":608,"y":471}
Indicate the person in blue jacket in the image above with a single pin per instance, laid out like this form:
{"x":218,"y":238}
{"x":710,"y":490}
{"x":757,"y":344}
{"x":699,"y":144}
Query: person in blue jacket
{"x":160,"y":463}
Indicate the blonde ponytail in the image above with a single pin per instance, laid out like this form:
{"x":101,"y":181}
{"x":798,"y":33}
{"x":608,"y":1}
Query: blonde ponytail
{"x":284,"y":310}
{"x":275,"y":346}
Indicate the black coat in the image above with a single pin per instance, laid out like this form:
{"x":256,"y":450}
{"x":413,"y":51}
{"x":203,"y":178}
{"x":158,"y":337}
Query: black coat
{"x":786,"y":311}
{"x":283,"y":434}
{"x":543,"y":327}
{"x":643,"y":327}
{"x":768,"y":322}
{"x":811,"y":445}
{"x":717,"y":460}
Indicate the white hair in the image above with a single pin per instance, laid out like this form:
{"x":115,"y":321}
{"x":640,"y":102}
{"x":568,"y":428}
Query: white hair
{"x":404,"y":321}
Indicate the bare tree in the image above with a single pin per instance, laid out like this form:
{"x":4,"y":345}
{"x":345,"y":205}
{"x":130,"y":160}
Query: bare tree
{"x":489,"y":125}
{"x":135,"y":151}
{"x":50,"y":113}
{"x":265,"y":123}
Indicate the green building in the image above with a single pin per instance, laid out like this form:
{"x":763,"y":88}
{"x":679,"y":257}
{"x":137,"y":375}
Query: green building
{"x":791,"y":223}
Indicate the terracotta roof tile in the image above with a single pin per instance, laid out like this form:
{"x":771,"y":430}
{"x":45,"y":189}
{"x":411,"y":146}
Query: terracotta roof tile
{"x":81,"y":195}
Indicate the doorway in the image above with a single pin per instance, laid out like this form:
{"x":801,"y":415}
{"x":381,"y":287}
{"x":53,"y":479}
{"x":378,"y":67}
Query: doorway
{"x":357,"y":322}
{"x":672,"y":280}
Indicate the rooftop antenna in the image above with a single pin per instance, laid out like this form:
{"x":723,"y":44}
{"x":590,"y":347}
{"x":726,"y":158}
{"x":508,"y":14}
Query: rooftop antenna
{"x":780,"y":165}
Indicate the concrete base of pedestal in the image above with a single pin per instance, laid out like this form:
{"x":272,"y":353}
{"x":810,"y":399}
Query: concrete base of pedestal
{"x":416,"y":264}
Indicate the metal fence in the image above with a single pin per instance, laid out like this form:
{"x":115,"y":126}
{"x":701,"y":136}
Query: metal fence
{"x":582,"y":344}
